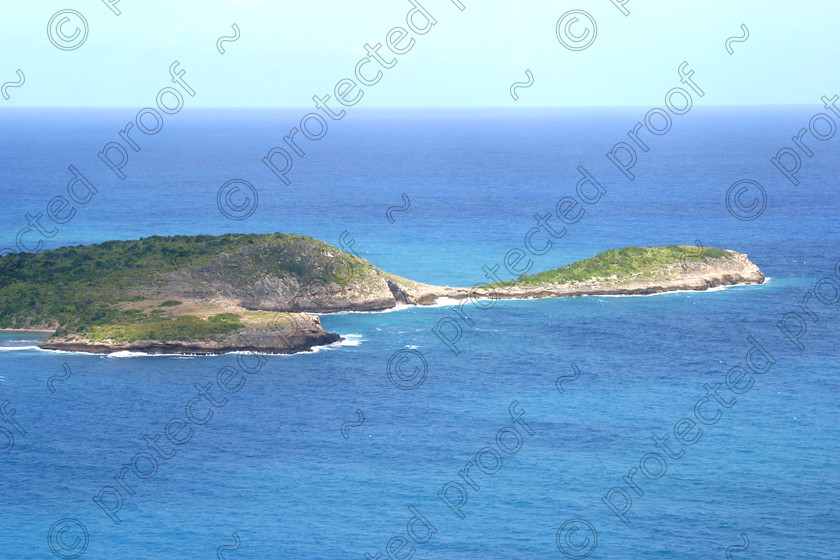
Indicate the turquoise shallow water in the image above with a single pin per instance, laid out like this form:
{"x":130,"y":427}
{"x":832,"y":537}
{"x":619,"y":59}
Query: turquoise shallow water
{"x":272,"y":464}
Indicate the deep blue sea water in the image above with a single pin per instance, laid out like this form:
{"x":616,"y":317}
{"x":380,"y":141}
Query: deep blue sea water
{"x":272,"y":464}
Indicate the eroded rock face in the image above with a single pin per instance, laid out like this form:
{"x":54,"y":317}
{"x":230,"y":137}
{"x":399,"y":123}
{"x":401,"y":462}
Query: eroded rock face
{"x":334,"y":282}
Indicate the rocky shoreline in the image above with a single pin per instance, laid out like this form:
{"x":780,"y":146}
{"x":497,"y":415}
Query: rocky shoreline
{"x":301,"y":338}
{"x":693,"y":276}
{"x":192,"y":348}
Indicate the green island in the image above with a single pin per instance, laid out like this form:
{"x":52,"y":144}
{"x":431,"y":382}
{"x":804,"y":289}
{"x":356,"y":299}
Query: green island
{"x":262,"y":292}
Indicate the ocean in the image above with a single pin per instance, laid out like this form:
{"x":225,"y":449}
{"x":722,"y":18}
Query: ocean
{"x":335,"y":454}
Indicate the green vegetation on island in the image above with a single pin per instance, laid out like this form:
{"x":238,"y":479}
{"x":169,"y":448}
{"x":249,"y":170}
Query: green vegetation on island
{"x":152,"y":327}
{"x":624,"y":263}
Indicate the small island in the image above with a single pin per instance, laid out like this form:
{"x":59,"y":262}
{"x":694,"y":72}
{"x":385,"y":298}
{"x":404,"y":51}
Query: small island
{"x":260,"y":292}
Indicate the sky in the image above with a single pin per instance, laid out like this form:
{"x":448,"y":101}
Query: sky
{"x":290,"y":50}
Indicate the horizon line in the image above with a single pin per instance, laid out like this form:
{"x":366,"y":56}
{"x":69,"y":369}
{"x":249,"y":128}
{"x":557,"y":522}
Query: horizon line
{"x":400,"y":107}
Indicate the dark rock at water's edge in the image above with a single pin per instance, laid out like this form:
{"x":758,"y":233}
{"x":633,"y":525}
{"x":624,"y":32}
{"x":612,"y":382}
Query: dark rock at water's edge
{"x":193,"y":348}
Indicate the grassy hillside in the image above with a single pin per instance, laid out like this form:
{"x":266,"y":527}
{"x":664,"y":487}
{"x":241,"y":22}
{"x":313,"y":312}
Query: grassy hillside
{"x":118,"y":289}
{"x":623,"y":263}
